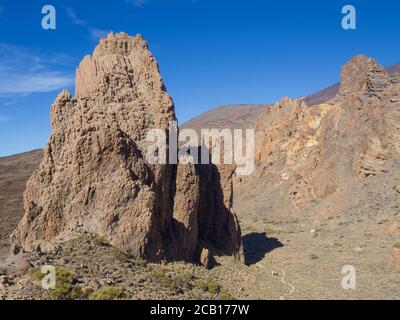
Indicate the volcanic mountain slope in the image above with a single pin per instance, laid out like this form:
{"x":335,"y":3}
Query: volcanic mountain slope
{"x":14,"y":173}
{"x":229,"y":116}
{"x":244,"y":116}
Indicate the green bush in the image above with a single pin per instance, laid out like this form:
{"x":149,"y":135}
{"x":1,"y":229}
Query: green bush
{"x":202,"y":284}
{"x":37,"y":276}
{"x":120,"y":255}
{"x":208,"y":286}
{"x":214,"y":287}
{"x":313,"y":256}
{"x":177,"y":282}
{"x":109,"y":293}
{"x":225,"y":295}
{"x":65,"y":288}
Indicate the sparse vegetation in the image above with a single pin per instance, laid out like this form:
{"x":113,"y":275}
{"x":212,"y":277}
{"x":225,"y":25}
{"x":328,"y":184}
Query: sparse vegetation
{"x":109,"y":293}
{"x":2,"y":272}
{"x":137,"y":261}
{"x":100,"y":241}
{"x":225,"y":295}
{"x":177,"y":281}
{"x":313,"y":256}
{"x":397,"y":245}
{"x":65,"y":288}
{"x":125,"y":257}
{"x":212,"y":287}
{"x":202,"y":284}
{"x":209,"y":286}
{"x":120,"y":255}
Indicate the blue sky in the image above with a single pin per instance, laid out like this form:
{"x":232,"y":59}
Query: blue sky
{"x":211,"y":52}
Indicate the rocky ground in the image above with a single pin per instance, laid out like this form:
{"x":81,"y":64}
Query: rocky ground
{"x":90,"y":268}
{"x":285,"y":259}
{"x":295,"y":256}
{"x":299,"y":254}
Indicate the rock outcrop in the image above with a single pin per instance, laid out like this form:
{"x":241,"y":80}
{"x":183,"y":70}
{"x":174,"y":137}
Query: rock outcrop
{"x":324,"y":154}
{"x":94,"y":177}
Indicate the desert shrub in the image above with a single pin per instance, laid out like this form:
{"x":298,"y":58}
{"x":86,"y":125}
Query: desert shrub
{"x":37,"y":275}
{"x":2,"y":272}
{"x":225,"y":295}
{"x":65,"y":288}
{"x":213,"y":287}
{"x":120,"y":255}
{"x":397,"y":245}
{"x":209,"y":286}
{"x":177,"y":281}
{"x":313,"y":256}
{"x":125,"y":257}
{"x":109,"y":293}
{"x":100,"y":241}
{"x":202,"y":284}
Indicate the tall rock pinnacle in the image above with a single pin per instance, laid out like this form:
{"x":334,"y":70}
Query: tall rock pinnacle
{"x":94,"y":177}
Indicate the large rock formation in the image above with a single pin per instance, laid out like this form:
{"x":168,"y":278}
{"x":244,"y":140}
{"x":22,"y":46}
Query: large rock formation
{"x":326,"y":154}
{"x":94,"y":176}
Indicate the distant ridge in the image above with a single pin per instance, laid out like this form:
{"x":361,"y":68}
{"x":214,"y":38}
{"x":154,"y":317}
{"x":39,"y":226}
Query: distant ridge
{"x":242,"y":116}
{"x":331,"y":91}
{"x":226,"y":116}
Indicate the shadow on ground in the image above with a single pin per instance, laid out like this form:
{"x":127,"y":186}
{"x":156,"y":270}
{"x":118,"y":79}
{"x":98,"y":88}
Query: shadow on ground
{"x":257,"y":245}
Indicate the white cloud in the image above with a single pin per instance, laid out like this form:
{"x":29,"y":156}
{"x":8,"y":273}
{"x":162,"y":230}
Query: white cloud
{"x":94,"y":33}
{"x":74,"y":18}
{"x":30,"y":83}
{"x":23,"y":71}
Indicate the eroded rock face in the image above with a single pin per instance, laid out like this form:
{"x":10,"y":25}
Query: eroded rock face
{"x":306,"y":154}
{"x":94,"y":177}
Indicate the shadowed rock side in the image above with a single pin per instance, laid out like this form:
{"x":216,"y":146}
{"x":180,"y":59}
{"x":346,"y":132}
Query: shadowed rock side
{"x":94,"y":177}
